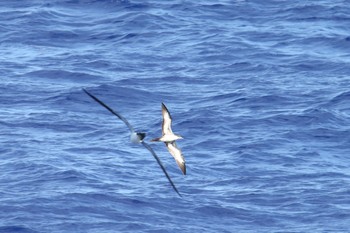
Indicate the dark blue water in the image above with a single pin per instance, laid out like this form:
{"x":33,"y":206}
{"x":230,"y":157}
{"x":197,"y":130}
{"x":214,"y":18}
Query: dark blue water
{"x":260,"y":90}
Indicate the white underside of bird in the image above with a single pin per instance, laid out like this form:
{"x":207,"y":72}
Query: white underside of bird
{"x":169,"y":138}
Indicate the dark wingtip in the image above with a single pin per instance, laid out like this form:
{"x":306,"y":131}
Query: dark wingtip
{"x":183,"y":169}
{"x":88,"y":93}
{"x":163,"y":106}
{"x":182,"y":166}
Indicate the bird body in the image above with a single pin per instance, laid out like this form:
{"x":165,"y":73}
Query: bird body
{"x":169,"y":138}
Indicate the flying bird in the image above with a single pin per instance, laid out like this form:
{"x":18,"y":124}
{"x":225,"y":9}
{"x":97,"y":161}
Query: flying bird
{"x":136,"y":137}
{"x":169,"y":138}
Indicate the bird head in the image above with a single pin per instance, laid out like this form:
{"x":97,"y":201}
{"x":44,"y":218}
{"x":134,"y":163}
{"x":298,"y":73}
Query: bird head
{"x":137,"y":137}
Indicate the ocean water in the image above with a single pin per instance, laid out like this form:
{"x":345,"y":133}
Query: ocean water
{"x":260,"y":91}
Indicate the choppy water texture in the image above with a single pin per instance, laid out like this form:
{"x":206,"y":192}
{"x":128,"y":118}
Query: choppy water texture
{"x":260,"y":90}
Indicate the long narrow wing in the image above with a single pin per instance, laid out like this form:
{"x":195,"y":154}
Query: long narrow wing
{"x":166,"y":126}
{"x":177,"y":154}
{"x":111,"y":110}
{"x":148,"y":147}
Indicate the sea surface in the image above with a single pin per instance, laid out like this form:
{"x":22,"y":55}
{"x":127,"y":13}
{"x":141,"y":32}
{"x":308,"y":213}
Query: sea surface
{"x":259,"y":90}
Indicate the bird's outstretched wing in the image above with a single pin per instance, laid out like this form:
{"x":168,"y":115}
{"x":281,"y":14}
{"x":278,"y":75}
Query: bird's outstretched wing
{"x":109,"y":109}
{"x":177,"y":154}
{"x":161,"y":166}
{"x":166,"y":126}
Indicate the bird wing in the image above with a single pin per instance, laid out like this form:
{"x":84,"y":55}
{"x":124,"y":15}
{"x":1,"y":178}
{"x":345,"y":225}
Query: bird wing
{"x":111,"y":110}
{"x":166,"y":126}
{"x":148,"y":147}
{"x":177,"y":154}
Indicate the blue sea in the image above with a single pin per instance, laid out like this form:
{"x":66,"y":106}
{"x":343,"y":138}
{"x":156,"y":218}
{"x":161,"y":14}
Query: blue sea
{"x":259,"y":90}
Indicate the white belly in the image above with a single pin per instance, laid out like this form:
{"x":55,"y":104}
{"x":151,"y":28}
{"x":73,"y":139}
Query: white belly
{"x":169,"y":138}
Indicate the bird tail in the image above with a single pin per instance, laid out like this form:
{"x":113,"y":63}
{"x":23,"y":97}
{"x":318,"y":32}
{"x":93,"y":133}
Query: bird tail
{"x":155,"y":140}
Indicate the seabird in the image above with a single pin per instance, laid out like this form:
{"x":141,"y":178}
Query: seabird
{"x":135,"y":137}
{"x":169,"y":138}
